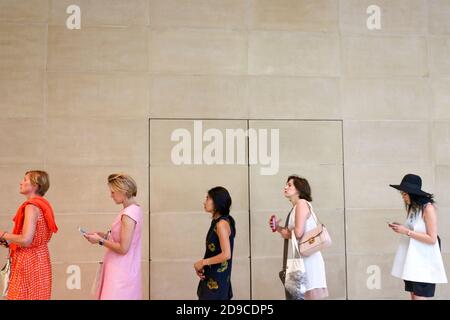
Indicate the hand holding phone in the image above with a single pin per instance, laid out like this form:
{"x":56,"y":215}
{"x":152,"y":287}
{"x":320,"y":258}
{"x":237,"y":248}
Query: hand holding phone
{"x":391,"y":224}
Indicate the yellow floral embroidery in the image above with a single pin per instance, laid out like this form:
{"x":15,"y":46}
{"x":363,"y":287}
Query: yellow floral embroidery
{"x":213,"y":285}
{"x":212,"y":247}
{"x":223,"y":267}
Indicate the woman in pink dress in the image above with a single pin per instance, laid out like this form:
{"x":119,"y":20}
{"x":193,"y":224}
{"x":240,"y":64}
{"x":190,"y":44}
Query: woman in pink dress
{"x":120,"y":278}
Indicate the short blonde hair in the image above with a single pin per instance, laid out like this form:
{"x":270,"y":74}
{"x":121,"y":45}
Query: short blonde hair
{"x":124,"y":183}
{"x":40,"y":179}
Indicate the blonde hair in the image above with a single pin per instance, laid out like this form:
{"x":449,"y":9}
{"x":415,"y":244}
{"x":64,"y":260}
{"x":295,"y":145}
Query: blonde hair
{"x":124,"y":183}
{"x":40,"y":179}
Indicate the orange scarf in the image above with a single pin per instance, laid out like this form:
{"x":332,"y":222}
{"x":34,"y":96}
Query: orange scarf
{"x":46,"y":209}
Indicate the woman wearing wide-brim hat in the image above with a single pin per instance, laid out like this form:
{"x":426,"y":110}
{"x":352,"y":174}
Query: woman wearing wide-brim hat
{"x":418,"y":260}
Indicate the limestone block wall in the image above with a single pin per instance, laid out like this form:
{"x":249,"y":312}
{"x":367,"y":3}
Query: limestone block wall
{"x":356,"y":108}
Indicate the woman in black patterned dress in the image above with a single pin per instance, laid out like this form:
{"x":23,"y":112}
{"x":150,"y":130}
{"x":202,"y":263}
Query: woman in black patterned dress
{"x":214,"y":270}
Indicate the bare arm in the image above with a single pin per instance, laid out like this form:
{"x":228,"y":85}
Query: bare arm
{"x":128,"y":226}
{"x":430,"y":217}
{"x":29,"y":228}
{"x":223,"y":231}
{"x":301,"y":214}
{"x":430,"y":236}
{"x":126,"y":236}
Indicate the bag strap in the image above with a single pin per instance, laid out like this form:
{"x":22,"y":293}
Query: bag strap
{"x":312,"y":213}
{"x":294,"y":243}
{"x":294,"y":240}
{"x":286,"y":242}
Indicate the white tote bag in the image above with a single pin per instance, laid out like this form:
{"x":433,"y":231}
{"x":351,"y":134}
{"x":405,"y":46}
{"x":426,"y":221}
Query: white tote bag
{"x":5,"y":273}
{"x":295,"y":282}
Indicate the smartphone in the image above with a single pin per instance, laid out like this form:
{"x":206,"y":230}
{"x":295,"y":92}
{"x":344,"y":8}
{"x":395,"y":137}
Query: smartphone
{"x":82,"y":231}
{"x":273,"y":222}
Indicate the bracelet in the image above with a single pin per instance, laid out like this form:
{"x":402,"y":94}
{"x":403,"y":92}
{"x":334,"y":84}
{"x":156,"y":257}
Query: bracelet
{"x":101,"y":242}
{"x":409,"y":233}
{"x":1,"y":238}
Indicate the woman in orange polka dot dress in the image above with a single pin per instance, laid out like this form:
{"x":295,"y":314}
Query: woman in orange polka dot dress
{"x":34,"y":223}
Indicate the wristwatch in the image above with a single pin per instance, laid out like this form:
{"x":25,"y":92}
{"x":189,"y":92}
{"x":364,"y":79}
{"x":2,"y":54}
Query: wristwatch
{"x":101,"y":242}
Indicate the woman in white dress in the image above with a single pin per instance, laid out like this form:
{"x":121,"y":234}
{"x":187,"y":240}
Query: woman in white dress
{"x":301,"y":220}
{"x":418,"y":260}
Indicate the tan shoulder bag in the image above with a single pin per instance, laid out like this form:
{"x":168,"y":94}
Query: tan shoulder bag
{"x":315,"y":239}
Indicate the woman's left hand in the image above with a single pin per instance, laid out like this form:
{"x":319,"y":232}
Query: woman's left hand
{"x":93,"y":237}
{"x":399,"y":228}
{"x":198,"y":266}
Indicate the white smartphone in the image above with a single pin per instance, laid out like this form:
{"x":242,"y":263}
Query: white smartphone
{"x":82,"y":231}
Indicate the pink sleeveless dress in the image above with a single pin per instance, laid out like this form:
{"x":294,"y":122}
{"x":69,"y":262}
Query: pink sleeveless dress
{"x":121,"y":278}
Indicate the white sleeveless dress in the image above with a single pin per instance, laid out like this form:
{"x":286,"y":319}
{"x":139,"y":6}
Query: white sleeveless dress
{"x":314,"y":264}
{"x":418,"y":261}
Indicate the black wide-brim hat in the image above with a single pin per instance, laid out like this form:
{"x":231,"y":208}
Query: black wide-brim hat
{"x":411,"y":184}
